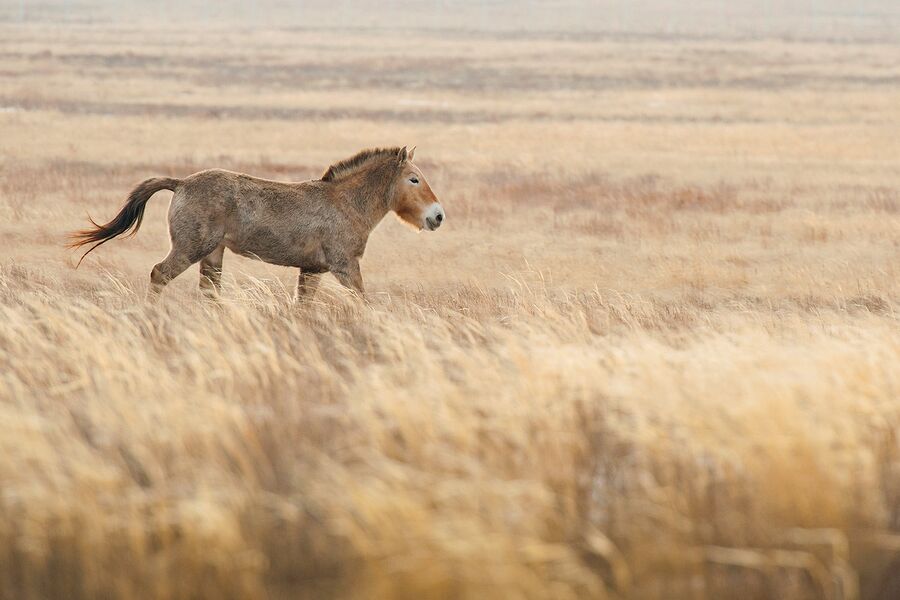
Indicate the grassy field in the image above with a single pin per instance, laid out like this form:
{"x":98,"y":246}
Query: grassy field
{"x":654,"y":353}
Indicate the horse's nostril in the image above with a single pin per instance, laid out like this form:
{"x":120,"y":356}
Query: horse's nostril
{"x":439,"y":217}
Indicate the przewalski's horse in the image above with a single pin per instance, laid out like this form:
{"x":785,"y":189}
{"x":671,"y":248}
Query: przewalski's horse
{"x":318,"y":226}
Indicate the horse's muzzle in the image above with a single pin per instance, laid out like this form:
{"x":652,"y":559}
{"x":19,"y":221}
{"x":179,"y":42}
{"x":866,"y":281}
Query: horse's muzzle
{"x":434,"y":216}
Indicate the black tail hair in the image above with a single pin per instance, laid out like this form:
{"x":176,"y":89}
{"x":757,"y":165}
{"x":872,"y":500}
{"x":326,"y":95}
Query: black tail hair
{"x":128,"y":221}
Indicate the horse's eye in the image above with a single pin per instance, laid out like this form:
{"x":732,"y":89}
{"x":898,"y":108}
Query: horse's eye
{"x":414,"y":180}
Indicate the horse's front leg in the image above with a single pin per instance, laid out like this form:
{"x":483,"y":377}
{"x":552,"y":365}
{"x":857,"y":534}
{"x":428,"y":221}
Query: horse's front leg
{"x":307,"y":284}
{"x":349,"y":276}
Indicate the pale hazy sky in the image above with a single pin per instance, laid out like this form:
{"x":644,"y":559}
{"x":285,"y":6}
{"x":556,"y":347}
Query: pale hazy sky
{"x":872,"y":19}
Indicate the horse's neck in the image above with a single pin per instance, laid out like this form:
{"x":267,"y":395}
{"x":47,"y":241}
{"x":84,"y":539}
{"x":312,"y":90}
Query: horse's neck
{"x":369,"y":200}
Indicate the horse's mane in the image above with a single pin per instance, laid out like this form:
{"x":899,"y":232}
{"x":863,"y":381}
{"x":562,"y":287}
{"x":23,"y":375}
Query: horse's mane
{"x":350,"y":165}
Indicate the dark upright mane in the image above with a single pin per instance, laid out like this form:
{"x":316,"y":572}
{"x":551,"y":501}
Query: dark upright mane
{"x":352,"y":164}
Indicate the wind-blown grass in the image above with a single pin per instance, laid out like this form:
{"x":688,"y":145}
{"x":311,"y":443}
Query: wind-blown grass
{"x":538,"y":442}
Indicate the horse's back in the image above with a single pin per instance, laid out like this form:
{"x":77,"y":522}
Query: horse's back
{"x":216,"y":192}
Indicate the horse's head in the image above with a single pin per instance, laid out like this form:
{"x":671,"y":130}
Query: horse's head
{"x":413,"y":200}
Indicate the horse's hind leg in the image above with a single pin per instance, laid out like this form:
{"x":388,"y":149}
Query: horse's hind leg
{"x":181,"y":256}
{"x":171,"y":267}
{"x":196,"y":233}
{"x":211,"y":271}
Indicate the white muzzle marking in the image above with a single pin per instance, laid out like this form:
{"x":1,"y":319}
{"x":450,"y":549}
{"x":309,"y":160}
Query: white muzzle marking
{"x":434,"y":216}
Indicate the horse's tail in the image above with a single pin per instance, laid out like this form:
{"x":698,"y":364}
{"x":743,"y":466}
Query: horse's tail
{"x":128,"y":221}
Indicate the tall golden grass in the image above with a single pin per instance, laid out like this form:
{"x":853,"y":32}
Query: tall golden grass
{"x":654,"y":353}
{"x":527,"y":443}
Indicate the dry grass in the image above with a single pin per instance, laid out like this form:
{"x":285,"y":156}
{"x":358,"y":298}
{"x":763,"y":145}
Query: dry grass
{"x":654,"y":353}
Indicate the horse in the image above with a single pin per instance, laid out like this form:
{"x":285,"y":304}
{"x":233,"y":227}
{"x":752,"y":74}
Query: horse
{"x":318,"y":226}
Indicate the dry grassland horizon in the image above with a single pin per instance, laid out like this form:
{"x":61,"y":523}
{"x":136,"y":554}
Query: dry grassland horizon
{"x":653,"y":352}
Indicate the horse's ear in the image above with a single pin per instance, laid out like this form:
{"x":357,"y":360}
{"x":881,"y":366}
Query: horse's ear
{"x":411,"y":154}
{"x":401,"y":156}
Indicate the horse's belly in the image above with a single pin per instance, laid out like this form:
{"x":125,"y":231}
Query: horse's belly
{"x":280,"y":250}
